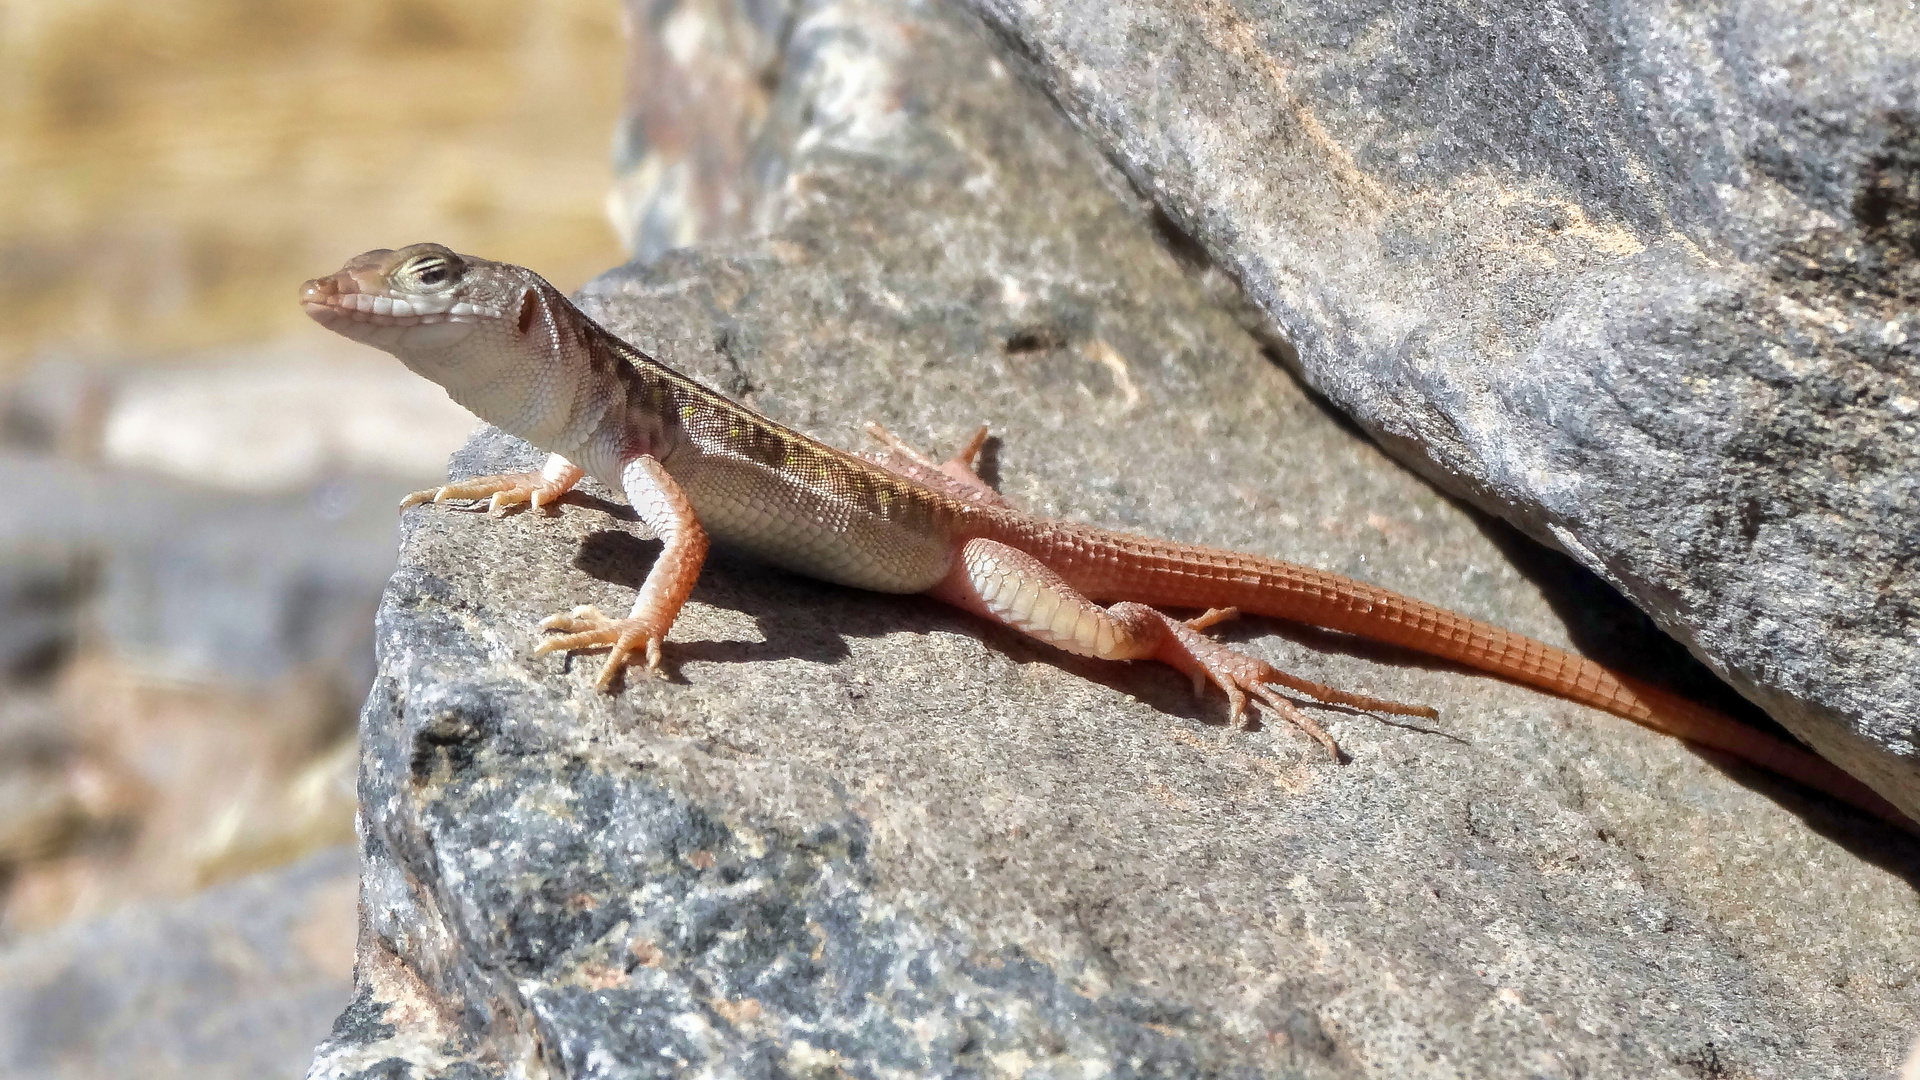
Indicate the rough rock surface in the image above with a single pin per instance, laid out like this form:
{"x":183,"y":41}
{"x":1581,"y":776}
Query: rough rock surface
{"x":180,"y":662}
{"x":1642,"y":278}
{"x":235,"y":984}
{"x":864,"y":835}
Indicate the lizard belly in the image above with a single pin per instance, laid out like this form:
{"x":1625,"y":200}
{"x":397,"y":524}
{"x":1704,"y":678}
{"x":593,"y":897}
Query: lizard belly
{"x":750,"y":509}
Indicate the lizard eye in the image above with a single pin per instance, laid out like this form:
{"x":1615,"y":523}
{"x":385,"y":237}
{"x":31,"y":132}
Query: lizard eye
{"x":430,"y":271}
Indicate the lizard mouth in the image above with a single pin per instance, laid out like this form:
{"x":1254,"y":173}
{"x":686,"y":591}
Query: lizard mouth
{"x":342,"y":298}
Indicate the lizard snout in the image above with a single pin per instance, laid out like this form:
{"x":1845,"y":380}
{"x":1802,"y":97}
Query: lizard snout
{"x":321,"y":297}
{"x":319,"y":290}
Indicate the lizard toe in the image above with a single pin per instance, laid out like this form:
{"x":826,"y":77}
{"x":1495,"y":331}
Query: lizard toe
{"x":586,"y":639}
{"x":1213,"y":617}
{"x":626,"y":643}
{"x":502,"y":491}
{"x":1288,"y":711}
{"x":584,"y":617}
{"x":625,"y":639}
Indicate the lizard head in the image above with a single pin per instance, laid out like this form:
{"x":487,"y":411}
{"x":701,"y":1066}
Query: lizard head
{"x":502,"y":341}
{"x":423,"y":298}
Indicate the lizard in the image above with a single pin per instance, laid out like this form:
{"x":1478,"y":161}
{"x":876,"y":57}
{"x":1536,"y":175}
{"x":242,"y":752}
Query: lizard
{"x":697,"y":466}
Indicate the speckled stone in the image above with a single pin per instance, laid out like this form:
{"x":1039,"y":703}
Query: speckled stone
{"x":868,"y":836}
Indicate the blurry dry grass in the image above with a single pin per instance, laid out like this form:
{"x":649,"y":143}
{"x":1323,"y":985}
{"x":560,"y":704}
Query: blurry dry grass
{"x":170,"y":172}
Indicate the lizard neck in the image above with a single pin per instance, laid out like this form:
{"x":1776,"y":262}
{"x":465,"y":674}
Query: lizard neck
{"x":543,"y":372}
{"x":635,"y":407}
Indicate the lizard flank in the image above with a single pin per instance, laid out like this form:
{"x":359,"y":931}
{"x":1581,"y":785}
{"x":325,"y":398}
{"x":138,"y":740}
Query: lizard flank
{"x":694,"y":464}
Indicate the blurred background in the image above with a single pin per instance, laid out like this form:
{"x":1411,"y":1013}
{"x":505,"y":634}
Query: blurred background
{"x":200,"y":485}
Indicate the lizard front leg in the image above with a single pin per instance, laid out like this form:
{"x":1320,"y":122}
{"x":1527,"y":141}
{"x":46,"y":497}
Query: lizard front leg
{"x":1011,"y":587}
{"x":554,"y":479}
{"x":659,"y":502}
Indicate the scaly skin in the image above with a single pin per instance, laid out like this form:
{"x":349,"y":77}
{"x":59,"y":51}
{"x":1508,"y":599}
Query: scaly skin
{"x":695,"y":465}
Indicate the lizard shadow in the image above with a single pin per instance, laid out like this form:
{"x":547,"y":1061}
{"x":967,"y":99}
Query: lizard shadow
{"x":1607,"y":627}
{"x":1604,"y":625}
{"x":802,"y":619}
{"x":1165,"y":690}
{"x":797,"y":618}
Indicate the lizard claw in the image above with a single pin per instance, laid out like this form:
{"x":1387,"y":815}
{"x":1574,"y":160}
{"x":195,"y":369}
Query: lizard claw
{"x":501,"y":492}
{"x":1202,"y":677}
{"x":1248,"y":681}
{"x":588,"y":628}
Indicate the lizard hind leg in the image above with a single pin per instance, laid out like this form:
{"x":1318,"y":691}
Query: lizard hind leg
{"x":955,"y":476}
{"x":1011,"y":587}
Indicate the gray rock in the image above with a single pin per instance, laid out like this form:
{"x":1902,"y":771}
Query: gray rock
{"x":701,"y":77}
{"x":238,"y":982}
{"x":866,"y":835}
{"x":43,"y":585}
{"x":197,"y":584}
{"x":1641,"y":279}
{"x":178,"y":670}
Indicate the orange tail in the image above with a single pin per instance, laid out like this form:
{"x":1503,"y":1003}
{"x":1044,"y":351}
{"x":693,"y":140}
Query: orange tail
{"x":1112,"y":566}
